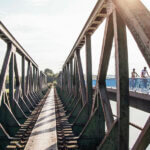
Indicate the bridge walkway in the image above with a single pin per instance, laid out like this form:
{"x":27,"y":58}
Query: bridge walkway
{"x":43,"y":136}
{"x":47,"y":128}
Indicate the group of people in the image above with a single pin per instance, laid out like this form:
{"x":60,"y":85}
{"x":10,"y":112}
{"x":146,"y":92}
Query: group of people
{"x":144,"y":75}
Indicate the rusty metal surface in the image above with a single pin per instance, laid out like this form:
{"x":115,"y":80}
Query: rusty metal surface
{"x":9,"y":38}
{"x":119,"y":15}
{"x":21,"y":89}
{"x":136,"y":100}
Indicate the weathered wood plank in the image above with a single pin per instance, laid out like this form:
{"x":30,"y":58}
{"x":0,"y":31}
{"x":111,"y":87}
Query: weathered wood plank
{"x":43,"y":135}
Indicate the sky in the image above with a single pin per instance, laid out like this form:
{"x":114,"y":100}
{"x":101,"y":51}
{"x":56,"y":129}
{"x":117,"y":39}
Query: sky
{"x":48,"y":29}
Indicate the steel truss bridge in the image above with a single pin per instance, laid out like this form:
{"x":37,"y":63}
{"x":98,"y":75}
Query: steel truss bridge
{"x":73,"y":114}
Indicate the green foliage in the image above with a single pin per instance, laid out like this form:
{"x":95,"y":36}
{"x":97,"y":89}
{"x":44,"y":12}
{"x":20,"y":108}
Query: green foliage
{"x":50,"y":75}
{"x":48,"y":72}
{"x":54,"y":83}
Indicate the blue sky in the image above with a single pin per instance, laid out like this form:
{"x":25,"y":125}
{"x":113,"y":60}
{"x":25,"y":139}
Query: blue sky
{"x":48,"y":29}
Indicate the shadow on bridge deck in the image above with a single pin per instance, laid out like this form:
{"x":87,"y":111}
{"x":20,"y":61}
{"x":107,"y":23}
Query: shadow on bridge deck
{"x":43,"y":135}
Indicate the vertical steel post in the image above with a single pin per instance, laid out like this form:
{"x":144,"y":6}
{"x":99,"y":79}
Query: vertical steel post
{"x":88,"y":70}
{"x":71,"y":79}
{"x":121,"y":54}
{"x":34,"y":78}
{"x":11,"y":78}
{"x":81,"y":77}
{"x":68,"y":77}
{"x":23,"y":75}
{"x":5,"y":68}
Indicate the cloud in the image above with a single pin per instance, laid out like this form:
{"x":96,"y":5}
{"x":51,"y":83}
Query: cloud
{"x":39,"y":2}
{"x":146,"y":3}
{"x":49,"y":37}
{"x":45,"y":37}
{"x":48,"y":33}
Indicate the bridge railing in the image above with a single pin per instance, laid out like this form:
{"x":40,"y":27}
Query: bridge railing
{"x":89,"y":110}
{"x":141,"y":85}
{"x":19,"y":93}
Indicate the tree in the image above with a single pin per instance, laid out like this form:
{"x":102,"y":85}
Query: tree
{"x":48,"y":72}
{"x":50,"y":75}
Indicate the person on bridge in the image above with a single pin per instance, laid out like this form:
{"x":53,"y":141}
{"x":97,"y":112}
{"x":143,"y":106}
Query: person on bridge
{"x":134,"y":76}
{"x":144,"y":75}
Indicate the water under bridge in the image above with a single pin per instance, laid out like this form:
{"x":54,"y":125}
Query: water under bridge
{"x":73,"y":114}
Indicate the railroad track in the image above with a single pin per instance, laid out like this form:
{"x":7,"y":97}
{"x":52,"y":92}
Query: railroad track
{"x":20,"y":140}
{"x":65,"y":136}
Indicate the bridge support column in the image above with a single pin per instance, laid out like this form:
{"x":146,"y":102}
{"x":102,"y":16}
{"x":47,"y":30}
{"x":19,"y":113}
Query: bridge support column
{"x":75,"y":110}
{"x":94,"y":130}
{"x":89,"y":88}
{"x":7,"y":118}
{"x":80,"y":120}
{"x":82,"y":117}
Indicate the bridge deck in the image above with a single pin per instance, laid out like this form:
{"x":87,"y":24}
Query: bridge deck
{"x":43,"y":136}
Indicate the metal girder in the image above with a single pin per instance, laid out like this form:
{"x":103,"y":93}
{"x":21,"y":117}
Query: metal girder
{"x":103,"y":66}
{"x":11,"y":39}
{"x":136,"y":100}
{"x":122,"y":77}
{"x":144,"y":138}
{"x":88,"y":56}
{"x":118,"y":14}
{"x":5,"y":69}
{"x":136,"y":17}
{"x":81,"y":39}
{"x":81,"y":78}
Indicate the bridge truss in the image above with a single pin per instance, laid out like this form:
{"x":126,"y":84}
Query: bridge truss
{"x":89,"y":109}
{"x":19,"y":93}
